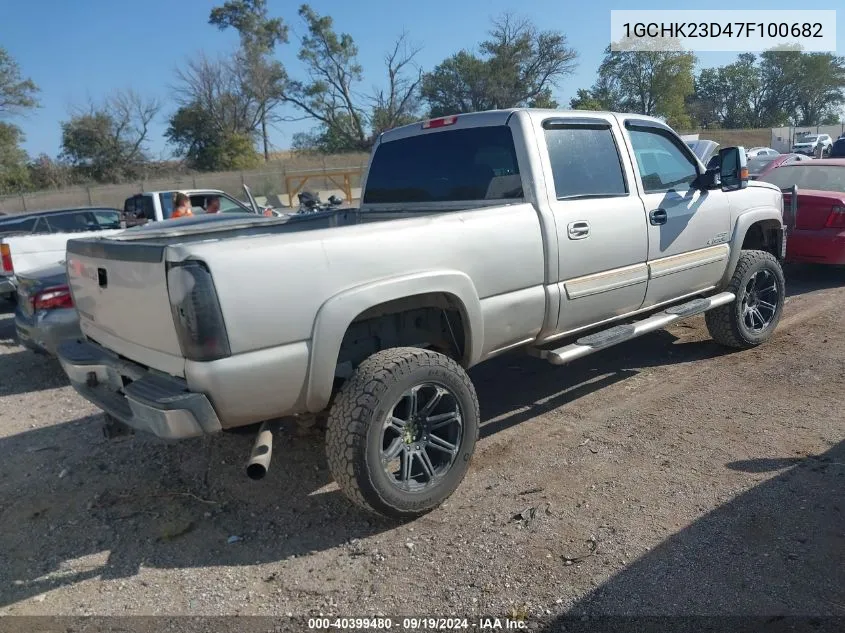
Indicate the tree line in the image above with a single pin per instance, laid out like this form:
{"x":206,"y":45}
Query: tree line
{"x":224,"y":107}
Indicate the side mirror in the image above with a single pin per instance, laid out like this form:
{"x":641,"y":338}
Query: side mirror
{"x":733,"y":168}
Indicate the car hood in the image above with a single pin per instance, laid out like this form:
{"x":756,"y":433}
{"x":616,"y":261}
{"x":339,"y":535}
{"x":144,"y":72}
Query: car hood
{"x":703,"y":149}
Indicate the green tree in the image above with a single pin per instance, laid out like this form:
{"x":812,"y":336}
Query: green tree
{"x":778,"y":88}
{"x":259,"y":36}
{"x":17,"y":96}
{"x":205,"y":145}
{"x":586,"y":100}
{"x":14,"y":176}
{"x":46,"y":173}
{"x":17,"y":93}
{"x":655,"y":81}
{"x":347,"y":118}
{"x":780,"y":71}
{"x":819,"y":88}
{"x":107,"y":142}
{"x":518,"y":65}
{"x":734,"y":93}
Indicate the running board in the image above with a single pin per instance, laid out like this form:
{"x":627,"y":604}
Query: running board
{"x":621,"y":333}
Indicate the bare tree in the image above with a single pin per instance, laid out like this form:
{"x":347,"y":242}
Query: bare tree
{"x":259,"y":35}
{"x":348,"y":119}
{"x":107,"y":140}
{"x":222,"y":89}
{"x":397,"y":105}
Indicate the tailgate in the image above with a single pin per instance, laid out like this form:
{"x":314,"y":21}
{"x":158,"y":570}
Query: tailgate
{"x":120,"y":292}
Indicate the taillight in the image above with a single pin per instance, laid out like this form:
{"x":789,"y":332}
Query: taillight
{"x":52,"y":299}
{"x":441,"y":122}
{"x":196,"y":312}
{"x":6,"y":258}
{"x":836,"y":219}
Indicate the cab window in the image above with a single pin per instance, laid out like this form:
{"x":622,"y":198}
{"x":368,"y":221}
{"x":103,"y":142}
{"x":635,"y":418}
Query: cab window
{"x":584,"y":159}
{"x":662,"y":163}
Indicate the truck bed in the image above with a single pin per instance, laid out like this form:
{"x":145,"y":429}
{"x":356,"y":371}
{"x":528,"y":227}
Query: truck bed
{"x":126,"y":307}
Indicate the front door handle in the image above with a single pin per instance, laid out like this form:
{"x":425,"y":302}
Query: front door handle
{"x":578,"y":230}
{"x":658,"y":216}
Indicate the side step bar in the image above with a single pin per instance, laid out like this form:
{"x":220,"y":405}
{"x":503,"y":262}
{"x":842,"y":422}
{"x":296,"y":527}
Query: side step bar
{"x":621,"y":333}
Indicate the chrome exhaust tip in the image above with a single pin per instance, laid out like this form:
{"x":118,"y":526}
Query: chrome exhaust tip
{"x":262,"y":452}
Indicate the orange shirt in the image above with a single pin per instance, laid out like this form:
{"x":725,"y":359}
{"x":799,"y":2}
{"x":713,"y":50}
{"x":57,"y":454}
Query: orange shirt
{"x":181,"y":213}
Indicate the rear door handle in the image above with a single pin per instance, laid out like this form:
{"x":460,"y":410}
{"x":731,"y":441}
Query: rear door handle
{"x":578,"y":230}
{"x":658,"y":216}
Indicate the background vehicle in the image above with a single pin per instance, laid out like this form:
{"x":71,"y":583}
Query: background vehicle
{"x":837,"y":150}
{"x":563,"y":233}
{"x":706,"y":151}
{"x":754,"y":152}
{"x":45,"y":315}
{"x":807,"y":144}
{"x":35,"y":240}
{"x":818,"y":234}
{"x":155,"y":206}
{"x":310,"y":202}
{"x":762,"y":165}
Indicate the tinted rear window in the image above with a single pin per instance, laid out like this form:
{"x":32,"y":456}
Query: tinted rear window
{"x":472,"y":164}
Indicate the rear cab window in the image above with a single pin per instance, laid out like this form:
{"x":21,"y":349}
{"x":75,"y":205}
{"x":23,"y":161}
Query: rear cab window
{"x":469,"y":164}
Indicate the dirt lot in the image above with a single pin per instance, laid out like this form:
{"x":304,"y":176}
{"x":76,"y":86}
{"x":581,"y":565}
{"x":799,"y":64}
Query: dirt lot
{"x":661,"y":477}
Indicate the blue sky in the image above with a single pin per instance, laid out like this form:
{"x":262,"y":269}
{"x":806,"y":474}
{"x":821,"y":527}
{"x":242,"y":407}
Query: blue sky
{"x":86,"y":48}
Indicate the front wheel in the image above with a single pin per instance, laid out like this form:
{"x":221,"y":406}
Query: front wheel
{"x":760,"y":290}
{"x":402,"y":430}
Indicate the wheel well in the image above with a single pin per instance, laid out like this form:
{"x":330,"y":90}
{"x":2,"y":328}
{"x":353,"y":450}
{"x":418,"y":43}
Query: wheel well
{"x":763,"y":236}
{"x":434,"y":321}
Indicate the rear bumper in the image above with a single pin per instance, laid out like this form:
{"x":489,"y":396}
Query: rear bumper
{"x":7,"y":286}
{"x":824,"y":246}
{"x":147,"y":401}
{"x":43,"y":332}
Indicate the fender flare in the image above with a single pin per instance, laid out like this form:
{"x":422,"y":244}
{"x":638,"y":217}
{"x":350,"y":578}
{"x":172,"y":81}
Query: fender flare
{"x":743,"y":223}
{"x":338,"y":312}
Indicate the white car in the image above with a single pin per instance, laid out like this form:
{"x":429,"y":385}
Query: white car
{"x":807,"y":144}
{"x":754,"y":152}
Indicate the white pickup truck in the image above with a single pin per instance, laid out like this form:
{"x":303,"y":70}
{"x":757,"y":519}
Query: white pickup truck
{"x":562,"y":233}
{"x":32,"y":241}
{"x":155,"y":206}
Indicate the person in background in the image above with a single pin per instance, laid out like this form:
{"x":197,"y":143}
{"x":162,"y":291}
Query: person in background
{"x":181,"y":206}
{"x":212,"y":204}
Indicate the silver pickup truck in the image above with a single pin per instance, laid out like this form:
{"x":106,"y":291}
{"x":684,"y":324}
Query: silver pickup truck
{"x":563,"y":233}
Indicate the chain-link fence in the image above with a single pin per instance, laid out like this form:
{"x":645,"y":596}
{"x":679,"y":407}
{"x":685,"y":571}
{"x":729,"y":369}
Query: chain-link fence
{"x":270,"y":181}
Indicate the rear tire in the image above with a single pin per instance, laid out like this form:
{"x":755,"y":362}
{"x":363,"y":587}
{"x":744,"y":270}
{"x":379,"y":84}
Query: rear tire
{"x":402,"y":431}
{"x":759,"y":286}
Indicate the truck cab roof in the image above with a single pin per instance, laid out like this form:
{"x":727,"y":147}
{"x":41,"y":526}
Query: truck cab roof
{"x":497,"y":117}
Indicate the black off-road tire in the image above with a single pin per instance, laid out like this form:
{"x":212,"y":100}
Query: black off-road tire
{"x":725,"y":323}
{"x":354,"y":433}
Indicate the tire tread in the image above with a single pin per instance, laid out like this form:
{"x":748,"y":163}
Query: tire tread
{"x":721,"y":321}
{"x":348,"y":420}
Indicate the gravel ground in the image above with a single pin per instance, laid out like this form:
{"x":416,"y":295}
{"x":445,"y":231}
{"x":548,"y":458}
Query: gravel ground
{"x":661,"y":477}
